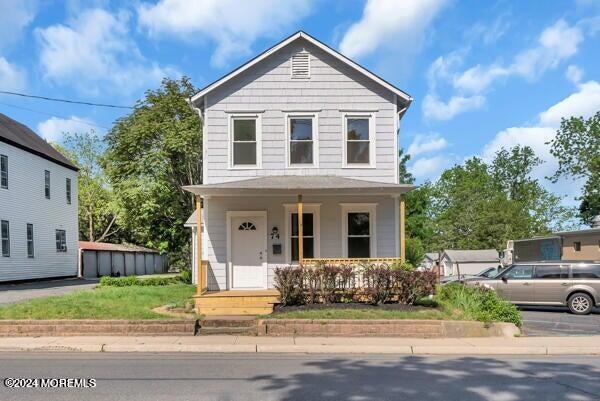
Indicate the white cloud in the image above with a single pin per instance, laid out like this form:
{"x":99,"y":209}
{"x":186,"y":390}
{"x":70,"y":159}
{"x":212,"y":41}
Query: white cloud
{"x":584,"y":103}
{"x":94,"y":53}
{"x":233,"y":25}
{"x":426,"y":144}
{"x":15,"y":15}
{"x":390,"y":24}
{"x":436,"y":109}
{"x":490,"y":33}
{"x":430,"y":168}
{"x":12,"y":77}
{"x":54,"y":128}
{"x":574,"y":74}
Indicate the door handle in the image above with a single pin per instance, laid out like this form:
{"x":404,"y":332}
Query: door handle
{"x":525,"y":283}
{"x":564,"y":284}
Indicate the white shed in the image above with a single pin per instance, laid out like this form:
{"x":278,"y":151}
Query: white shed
{"x":467,"y":261}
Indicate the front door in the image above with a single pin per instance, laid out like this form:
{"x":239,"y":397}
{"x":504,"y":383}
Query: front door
{"x":248,"y":252}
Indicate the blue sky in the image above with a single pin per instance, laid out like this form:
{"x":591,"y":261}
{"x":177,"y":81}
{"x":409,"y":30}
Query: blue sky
{"x":483,"y":74}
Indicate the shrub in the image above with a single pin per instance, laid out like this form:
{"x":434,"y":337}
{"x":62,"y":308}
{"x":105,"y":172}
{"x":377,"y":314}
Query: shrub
{"x":411,"y":286}
{"x":186,"y":276}
{"x":312,"y":284}
{"x":289,"y":281}
{"x":406,"y":266}
{"x":378,"y":284}
{"x":330,"y":291}
{"x":108,"y":281}
{"x":478,"y":303}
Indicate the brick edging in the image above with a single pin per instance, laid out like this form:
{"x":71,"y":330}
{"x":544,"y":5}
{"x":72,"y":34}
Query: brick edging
{"x":89,"y":327}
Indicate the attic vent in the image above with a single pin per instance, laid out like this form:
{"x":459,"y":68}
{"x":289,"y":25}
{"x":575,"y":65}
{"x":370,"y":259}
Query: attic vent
{"x":301,"y":65}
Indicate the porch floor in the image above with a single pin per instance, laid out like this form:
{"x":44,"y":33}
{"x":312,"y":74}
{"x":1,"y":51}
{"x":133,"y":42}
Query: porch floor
{"x":236,"y":302}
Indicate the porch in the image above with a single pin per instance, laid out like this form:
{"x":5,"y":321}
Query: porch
{"x":252,"y":227}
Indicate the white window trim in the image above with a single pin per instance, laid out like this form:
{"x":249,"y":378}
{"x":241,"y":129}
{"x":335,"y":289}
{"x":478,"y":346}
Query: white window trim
{"x":245,"y":116}
{"x":372,"y":139}
{"x":370,"y":208}
{"x":315,"y":209}
{"x":314,"y":116}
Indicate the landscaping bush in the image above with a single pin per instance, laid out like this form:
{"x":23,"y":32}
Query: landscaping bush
{"x":186,"y":276}
{"x":478,"y":303}
{"x":332,"y":284}
{"x":107,"y":281}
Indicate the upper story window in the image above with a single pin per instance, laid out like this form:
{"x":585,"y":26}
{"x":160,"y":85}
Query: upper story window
{"x":47,"y":184}
{"x":68,"y":190}
{"x":359,"y":138}
{"x":5,"y":237}
{"x":302,"y":140}
{"x":3,"y":171}
{"x":301,"y":65}
{"x":61,"y":241}
{"x":245,"y":141}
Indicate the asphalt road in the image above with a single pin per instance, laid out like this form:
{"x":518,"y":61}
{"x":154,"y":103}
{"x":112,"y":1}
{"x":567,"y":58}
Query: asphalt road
{"x":10,"y":293}
{"x":124,"y":377}
{"x":555,"y":321}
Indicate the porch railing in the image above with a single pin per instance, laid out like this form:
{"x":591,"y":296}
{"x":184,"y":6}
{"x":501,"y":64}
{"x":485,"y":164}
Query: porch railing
{"x":350,"y":261}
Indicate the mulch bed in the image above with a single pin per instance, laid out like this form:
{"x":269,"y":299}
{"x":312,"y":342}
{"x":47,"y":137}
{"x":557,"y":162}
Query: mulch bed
{"x":353,"y":305}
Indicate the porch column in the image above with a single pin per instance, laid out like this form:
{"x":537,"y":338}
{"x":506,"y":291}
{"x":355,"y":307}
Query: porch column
{"x":402,"y":229}
{"x":200,"y":280}
{"x":300,"y":232}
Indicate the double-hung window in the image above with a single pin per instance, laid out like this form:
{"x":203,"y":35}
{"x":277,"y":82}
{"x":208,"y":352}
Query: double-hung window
{"x":47,"y":184}
{"x":359,"y":140}
{"x":245,"y":141}
{"x":3,"y":171}
{"x":5,"y":237}
{"x":30,"y":248}
{"x":61,"y":241}
{"x":302,"y":132}
{"x":68,"y":189}
{"x":358,"y":230}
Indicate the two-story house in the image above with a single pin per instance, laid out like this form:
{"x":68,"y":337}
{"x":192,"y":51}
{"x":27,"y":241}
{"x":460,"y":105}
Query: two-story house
{"x":38,"y":207}
{"x":300,"y":162}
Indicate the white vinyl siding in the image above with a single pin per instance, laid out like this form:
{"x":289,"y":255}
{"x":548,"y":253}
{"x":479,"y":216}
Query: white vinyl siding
{"x":333,"y":90}
{"x":24,"y":203}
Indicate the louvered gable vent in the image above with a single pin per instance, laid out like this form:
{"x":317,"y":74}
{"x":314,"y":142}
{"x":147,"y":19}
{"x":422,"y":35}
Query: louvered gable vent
{"x":301,"y":65}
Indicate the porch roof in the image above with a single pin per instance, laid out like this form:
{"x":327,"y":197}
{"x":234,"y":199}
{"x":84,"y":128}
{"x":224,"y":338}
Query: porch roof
{"x":295,"y":184}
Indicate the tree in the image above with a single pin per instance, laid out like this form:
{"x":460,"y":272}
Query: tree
{"x":98,"y":210}
{"x":576,"y":146}
{"x":151,"y":153}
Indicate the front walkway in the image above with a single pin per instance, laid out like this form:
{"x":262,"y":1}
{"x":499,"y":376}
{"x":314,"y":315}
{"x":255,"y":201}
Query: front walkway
{"x":310,"y":345}
{"x":11,"y":293}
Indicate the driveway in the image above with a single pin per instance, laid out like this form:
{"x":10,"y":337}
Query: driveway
{"x":557,"y":321}
{"x":10,"y":293}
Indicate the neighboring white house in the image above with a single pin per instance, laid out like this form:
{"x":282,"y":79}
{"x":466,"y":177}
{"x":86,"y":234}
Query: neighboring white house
{"x":38,"y":207}
{"x":429,"y":260}
{"x":453,"y":262}
{"x":303,"y":126}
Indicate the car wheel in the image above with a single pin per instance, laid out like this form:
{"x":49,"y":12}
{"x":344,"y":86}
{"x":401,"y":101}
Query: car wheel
{"x":580,"y":303}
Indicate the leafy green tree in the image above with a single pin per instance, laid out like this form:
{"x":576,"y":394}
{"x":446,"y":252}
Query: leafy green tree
{"x":151,"y":153}
{"x":576,"y":146}
{"x":98,"y":209}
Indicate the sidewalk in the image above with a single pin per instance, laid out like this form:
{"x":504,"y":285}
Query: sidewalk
{"x":311,"y":345}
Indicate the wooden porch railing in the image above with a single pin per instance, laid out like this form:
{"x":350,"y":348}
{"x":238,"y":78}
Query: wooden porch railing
{"x":349,"y":261}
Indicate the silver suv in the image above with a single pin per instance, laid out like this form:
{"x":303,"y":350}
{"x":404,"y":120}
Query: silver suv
{"x":575,"y":284}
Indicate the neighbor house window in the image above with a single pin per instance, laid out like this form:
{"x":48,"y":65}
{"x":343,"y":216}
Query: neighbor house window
{"x":359,"y":147}
{"x":5,"y":237}
{"x":30,"y":249}
{"x":302,"y":140}
{"x":47,"y":184}
{"x":245,"y":141}
{"x":3,"y":171}
{"x":68,"y":189}
{"x":61,"y":241}
{"x":358,"y":227}
{"x":577,"y":246}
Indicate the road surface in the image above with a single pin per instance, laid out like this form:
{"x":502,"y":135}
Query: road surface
{"x":555,"y":321}
{"x":148,"y":377}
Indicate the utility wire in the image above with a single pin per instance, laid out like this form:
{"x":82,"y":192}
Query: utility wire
{"x":54,"y":115}
{"x":52,"y":99}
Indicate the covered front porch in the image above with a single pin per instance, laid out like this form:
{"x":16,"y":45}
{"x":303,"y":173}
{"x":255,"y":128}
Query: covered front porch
{"x":252,"y":227}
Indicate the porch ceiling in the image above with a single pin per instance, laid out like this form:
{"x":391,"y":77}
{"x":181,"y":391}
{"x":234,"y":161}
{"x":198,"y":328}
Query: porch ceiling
{"x":293,"y":184}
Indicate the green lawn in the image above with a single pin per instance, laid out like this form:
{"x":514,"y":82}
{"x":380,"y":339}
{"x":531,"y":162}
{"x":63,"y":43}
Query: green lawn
{"x":133,"y":302}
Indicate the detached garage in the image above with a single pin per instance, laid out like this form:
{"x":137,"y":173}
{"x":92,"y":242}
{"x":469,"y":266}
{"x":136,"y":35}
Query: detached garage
{"x":97,"y":259}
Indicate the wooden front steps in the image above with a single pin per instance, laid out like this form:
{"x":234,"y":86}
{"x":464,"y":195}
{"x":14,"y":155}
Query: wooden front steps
{"x":237,"y":302}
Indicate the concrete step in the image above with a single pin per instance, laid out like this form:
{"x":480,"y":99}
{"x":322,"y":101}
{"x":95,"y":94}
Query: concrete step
{"x":243,"y":331}
{"x":228,"y":321}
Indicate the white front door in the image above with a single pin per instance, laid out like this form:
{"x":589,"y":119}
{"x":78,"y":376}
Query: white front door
{"x":248,"y":252}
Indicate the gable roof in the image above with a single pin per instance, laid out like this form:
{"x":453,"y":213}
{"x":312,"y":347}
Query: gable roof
{"x":472,"y":255}
{"x":22,"y":137}
{"x":301,"y":34}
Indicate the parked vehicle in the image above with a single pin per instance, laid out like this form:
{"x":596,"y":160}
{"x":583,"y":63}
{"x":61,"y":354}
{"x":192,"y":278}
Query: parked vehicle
{"x":575,"y":284}
{"x":485,"y":273}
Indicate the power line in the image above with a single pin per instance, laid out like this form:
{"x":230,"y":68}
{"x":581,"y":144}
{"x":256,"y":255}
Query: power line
{"x":52,"y":99}
{"x":54,"y":115}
